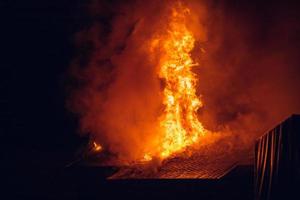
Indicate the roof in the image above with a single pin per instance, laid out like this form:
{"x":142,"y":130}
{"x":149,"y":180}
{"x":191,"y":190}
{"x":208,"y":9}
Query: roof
{"x":204,"y":164}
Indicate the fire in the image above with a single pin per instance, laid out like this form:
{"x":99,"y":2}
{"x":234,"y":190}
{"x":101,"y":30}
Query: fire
{"x":179,"y":120}
{"x":147,"y":157}
{"x":137,"y":93}
{"x":133,"y":86}
{"x":97,"y":147}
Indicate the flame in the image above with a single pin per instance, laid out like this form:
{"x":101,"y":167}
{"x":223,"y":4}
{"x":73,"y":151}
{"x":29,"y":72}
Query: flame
{"x":147,"y":157}
{"x":179,"y":120}
{"x":97,"y":147}
{"x":179,"y":124}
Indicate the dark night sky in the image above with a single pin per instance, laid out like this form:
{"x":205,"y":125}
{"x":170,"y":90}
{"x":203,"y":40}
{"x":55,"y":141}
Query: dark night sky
{"x":36,"y":50}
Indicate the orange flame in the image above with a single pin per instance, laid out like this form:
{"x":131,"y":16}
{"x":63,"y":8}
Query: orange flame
{"x":177,"y":127}
{"x":179,"y":121}
{"x":97,"y":147}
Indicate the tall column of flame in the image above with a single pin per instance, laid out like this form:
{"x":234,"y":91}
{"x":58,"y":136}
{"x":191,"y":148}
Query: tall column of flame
{"x":179,"y":120}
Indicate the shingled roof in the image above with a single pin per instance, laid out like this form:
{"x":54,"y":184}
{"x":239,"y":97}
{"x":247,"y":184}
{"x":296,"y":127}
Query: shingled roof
{"x":200,"y":165}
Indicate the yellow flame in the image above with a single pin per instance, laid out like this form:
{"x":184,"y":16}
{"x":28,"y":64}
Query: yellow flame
{"x":147,"y":157}
{"x":179,"y":120}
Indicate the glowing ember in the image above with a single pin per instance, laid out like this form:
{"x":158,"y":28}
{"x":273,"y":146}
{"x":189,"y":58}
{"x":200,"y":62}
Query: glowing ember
{"x":142,"y":102}
{"x":147,"y":157}
{"x":179,"y":120}
{"x":96,"y":147}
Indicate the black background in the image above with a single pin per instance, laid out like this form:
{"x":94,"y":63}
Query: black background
{"x":38,"y":134}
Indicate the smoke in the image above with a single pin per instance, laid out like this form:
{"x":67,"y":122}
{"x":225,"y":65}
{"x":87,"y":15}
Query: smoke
{"x":248,"y":71}
{"x":249,"y":80}
{"x":118,"y":98}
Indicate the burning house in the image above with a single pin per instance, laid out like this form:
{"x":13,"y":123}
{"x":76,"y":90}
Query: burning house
{"x":157,"y":99}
